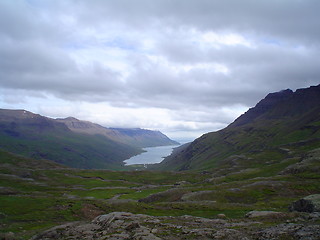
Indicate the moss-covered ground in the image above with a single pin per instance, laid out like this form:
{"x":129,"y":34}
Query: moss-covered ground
{"x":36,"y":194}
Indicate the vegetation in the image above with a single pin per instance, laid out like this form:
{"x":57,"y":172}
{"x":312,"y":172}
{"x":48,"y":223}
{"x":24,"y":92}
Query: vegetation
{"x":283,"y":120}
{"x":38,"y":194}
{"x":265,"y":160}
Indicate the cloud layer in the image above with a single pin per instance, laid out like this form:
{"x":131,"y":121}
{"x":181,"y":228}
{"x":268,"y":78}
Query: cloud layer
{"x":183,"y":67}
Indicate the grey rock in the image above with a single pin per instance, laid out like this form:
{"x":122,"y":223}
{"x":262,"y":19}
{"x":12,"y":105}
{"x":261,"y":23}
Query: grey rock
{"x":221,"y":215}
{"x":309,"y":204}
{"x":125,"y":226}
{"x":290,"y":231}
{"x":256,"y":214}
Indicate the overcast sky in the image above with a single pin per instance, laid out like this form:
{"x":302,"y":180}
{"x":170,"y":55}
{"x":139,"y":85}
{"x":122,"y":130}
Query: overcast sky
{"x":184,"y":67}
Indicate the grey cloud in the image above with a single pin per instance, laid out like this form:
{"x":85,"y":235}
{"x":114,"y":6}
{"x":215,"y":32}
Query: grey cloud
{"x":37,"y":38}
{"x":34,"y":66}
{"x":293,"y":19}
{"x":24,"y":21}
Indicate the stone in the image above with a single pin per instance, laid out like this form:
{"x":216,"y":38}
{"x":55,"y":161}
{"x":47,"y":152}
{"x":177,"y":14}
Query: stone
{"x":256,"y":214}
{"x":124,"y":226}
{"x":106,"y":219}
{"x":309,"y":204}
{"x":290,"y":231}
{"x":132,"y":226}
{"x":221,"y":215}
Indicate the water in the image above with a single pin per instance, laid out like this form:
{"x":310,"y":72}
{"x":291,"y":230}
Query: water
{"x":152,"y":155}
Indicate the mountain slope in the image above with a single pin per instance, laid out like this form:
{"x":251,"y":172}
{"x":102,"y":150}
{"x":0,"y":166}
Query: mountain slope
{"x":73,"y":142}
{"x":39,"y":137}
{"x":143,"y":137}
{"x":283,"y":120}
{"x":136,"y":137}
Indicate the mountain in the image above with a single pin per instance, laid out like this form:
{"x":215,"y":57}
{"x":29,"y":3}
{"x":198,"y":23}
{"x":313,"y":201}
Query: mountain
{"x":68,"y":141}
{"x":136,"y":137}
{"x":143,"y":137}
{"x":282,"y":122}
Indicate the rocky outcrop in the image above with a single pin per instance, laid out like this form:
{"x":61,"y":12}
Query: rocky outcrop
{"x":116,"y":225}
{"x":309,"y":204}
{"x":124,"y":226}
{"x":289,"y":231}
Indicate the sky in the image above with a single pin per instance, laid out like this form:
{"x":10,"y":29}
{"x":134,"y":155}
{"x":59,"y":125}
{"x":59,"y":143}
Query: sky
{"x":184,"y":67}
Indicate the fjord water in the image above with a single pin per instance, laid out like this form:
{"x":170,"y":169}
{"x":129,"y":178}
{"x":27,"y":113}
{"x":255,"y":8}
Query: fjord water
{"x":152,"y":155}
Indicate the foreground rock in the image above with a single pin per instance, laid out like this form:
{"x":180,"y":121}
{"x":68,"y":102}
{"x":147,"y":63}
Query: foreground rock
{"x":124,"y":225}
{"x":309,"y":204}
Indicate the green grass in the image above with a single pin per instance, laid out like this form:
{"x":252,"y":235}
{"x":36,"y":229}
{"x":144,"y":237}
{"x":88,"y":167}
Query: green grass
{"x":30,"y":214}
{"x":143,"y":193}
{"x":100,"y":193}
{"x":60,"y":195}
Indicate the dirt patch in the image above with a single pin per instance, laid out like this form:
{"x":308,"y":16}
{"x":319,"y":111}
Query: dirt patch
{"x":90,"y":211}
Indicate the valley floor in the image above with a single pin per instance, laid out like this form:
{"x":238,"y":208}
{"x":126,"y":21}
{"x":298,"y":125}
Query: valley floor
{"x":36,"y":196}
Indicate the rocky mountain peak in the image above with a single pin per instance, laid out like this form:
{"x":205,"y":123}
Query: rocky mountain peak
{"x":283,"y":103}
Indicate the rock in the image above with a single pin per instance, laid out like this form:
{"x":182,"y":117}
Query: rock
{"x":256,"y":214}
{"x":132,"y":226}
{"x":221,"y":215}
{"x":289,"y":231}
{"x":144,"y":233}
{"x":309,"y":204}
{"x":124,"y":226}
{"x":105,"y":220}
{"x":229,"y":234}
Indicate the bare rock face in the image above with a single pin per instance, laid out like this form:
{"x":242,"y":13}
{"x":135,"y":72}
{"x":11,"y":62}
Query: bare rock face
{"x":309,"y":204}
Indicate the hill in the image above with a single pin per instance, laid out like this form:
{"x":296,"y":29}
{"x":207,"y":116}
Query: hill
{"x":136,"y":137}
{"x":281,"y":123}
{"x":68,"y":141}
{"x":143,"y":137}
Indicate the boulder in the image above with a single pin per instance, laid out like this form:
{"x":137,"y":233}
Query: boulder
{"x":257,"y":214}
{"x":309,"y":204}
{"x":221,"y":215}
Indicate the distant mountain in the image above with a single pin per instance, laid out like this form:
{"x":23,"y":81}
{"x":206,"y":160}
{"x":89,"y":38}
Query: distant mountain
{"x":69,"y":141}
{"x":143,"y":137}
{"x":136,"y":137}
{"x":282,"y":120}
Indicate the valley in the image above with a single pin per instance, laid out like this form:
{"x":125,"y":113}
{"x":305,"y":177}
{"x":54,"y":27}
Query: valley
{"x":37,"y":195}
{"x":256,"y":179}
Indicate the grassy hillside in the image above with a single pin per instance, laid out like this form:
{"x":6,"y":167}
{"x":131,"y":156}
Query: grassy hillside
{"x":143,"y":137}
{"x":135,"y":137}
{"x":38,"y":137}
{"x":283,"y":120}
{"x":36,"y":195}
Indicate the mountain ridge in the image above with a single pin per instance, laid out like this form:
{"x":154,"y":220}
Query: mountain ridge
{"x":137,"y":137}
{"x":68,"y":141}
{"x":278,"y":120}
